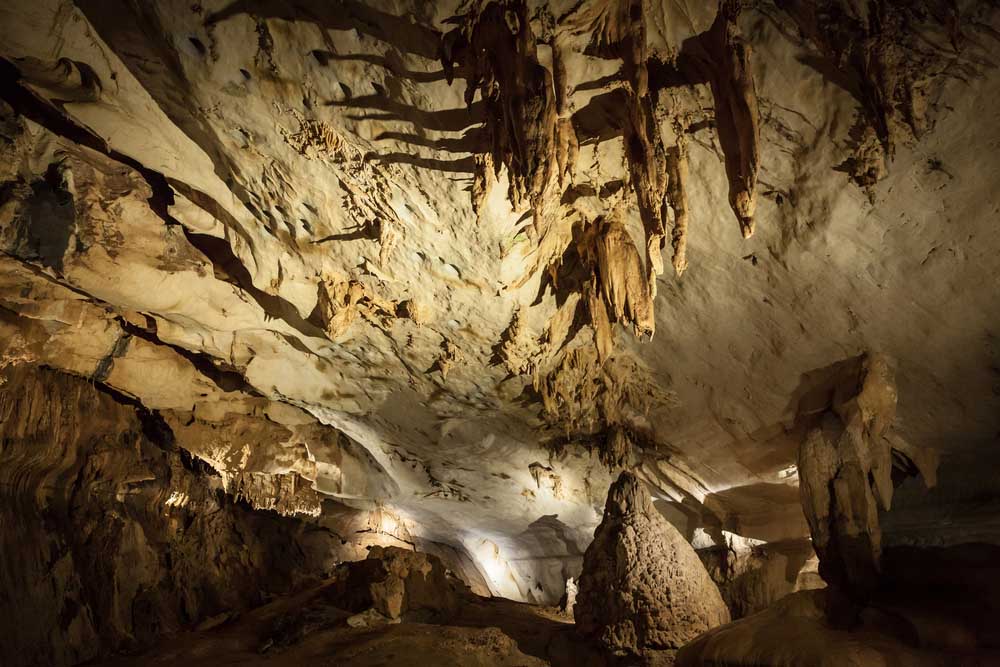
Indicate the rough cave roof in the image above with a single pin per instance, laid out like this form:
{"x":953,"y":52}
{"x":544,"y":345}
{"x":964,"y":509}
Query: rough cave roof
{"x":464,"y":259}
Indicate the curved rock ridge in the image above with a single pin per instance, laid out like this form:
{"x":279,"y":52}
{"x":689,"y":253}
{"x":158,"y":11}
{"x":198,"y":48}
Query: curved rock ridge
{"x":643,"y":586}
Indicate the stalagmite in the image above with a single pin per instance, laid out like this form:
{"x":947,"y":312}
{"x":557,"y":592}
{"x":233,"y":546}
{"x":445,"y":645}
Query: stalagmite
{"x":643,"y":587}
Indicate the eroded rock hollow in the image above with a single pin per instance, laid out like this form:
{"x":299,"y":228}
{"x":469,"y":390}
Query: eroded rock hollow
{"x":499,"y":332}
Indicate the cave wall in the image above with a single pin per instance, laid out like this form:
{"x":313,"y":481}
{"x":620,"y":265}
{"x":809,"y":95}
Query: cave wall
{"x":112,"y":535}
{"x":752,"y":576}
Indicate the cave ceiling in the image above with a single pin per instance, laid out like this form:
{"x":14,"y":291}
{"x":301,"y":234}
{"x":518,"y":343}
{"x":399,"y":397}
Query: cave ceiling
{"x":464,"y":260}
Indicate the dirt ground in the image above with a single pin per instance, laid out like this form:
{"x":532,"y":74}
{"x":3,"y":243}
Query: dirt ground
{"x":305,"y":629}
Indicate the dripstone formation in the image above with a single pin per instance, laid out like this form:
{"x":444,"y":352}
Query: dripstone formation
{"x":643,"y":586}
{"x":848,"y":465}
{"x":315,"y":313}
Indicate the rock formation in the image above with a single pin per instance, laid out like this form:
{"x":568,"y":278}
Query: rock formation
{"x":568,"y":603}
{"x":642,"y":586}
{"x":846,"y":465}
{"x":723,"y":57}
{"x":120,"y":536}
{"x":397,"y":583}
{"x":430,"y":275}
{"x":794,"y":631}
{"x":875,"y":609}
{"x":752,"y":576}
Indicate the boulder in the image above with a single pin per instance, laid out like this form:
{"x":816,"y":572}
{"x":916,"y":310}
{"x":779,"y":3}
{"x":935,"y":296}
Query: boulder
{"x":795,"y":631}
{"x":397,"y":583}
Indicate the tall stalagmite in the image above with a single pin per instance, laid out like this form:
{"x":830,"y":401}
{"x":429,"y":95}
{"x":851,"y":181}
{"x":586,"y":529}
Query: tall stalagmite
{"x":643,"y":586}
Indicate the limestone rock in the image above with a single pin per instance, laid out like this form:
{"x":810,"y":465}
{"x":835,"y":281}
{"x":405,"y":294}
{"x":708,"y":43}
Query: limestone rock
{"x":642,"y":586}
{"x":120,"y":536}
{"x":724,"y":57}
{"x":369,"y":619}
{"x":298,"y":233}
{"x":753,"y":576}
{"x":793,"y":632}
{"x":397,"y":583}
{"x":568,"y":603}
{"x":845,"y":470}
{"x":337,"y":303}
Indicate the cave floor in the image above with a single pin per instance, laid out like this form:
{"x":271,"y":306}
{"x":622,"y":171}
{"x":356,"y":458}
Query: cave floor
{"x":299,"y":630}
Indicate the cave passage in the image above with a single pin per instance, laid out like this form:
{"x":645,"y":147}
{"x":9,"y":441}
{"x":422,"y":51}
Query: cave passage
{"x":603,"y":333}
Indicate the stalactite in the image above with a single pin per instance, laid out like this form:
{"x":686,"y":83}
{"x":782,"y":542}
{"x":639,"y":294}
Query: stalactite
{"x":677,"y":170}
{"x":619,"y":268}
{"x":497,"y":46}
{"x":725,"y":59}
{"x":644,"y":149}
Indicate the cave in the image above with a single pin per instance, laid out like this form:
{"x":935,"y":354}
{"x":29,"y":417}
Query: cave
{"x":569,"y":333}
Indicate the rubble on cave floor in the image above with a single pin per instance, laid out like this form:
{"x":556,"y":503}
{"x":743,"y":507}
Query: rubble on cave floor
{"x":396,"y":606}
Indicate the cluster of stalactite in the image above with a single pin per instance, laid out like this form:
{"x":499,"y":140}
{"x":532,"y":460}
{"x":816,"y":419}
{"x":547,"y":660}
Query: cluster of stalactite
{"x":531,"y":134}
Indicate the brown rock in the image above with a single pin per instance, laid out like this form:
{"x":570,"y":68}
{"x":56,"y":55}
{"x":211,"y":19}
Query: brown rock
{"x":845,"y":469}
{"x":794,"y":631}
{"x":397,"y":583}
{"x":642,"y":585}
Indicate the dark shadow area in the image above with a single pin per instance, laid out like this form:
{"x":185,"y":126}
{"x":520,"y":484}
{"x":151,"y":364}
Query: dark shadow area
{"x":43,"y":230}
{"x":104,"y":536}
{"x":398,"y":31}
{"x":460,"y":166}
{"x":601,"y":118}
{"x":472,"y":141}
{"x":578,"y":191}
{"x":682,"y":517}
{"x":447,"y":120}
{"x":955,"y":585}
{"x":230,"y":269}
{"x":225,"y":377}
{"x":520,"y":621}
{"x":389,"y":62}
{"x":547,"y":530}
{"x":367,"y":231}
{"x":599,"y":83}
